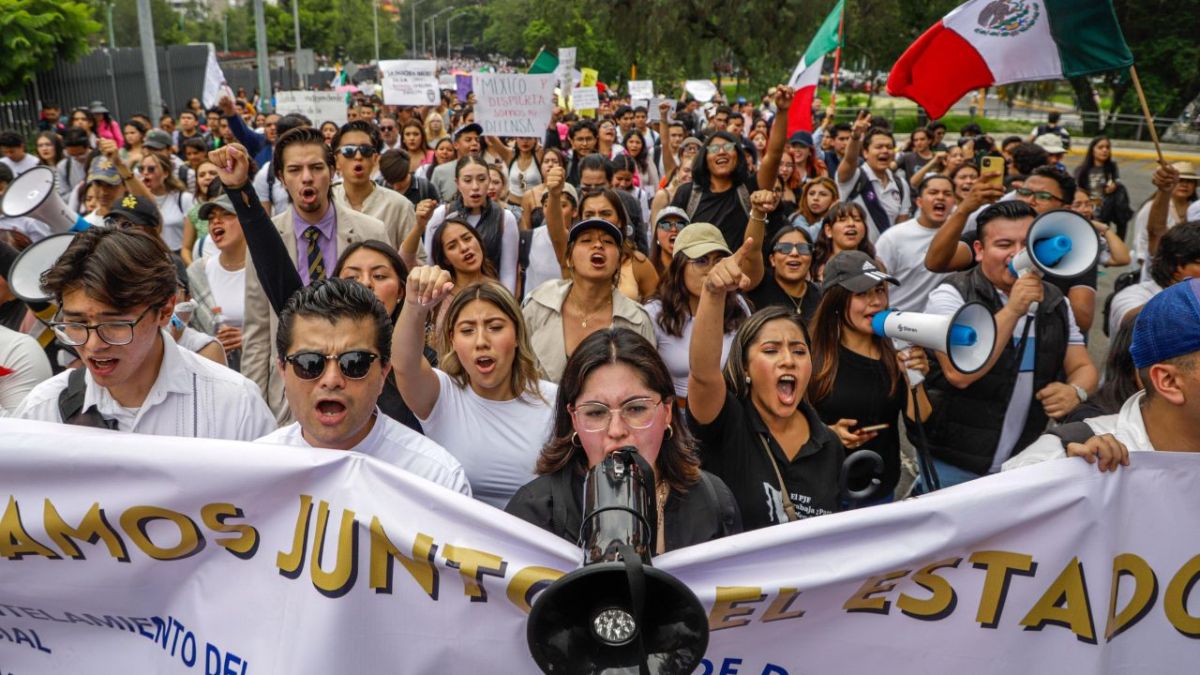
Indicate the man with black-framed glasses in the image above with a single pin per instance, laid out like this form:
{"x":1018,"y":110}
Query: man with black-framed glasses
{"x":334,"y":340}
{"x":116,"y":290}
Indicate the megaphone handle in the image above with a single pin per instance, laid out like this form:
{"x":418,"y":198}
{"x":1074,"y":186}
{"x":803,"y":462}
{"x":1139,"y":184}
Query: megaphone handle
{"x":915,"y":377}
{"x":636,"y":577}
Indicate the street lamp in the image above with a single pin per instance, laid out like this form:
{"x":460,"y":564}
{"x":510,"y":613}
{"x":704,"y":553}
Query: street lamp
{"x":449,"y":21}
{"x":433,"y":28}
{"x":413,"y":5}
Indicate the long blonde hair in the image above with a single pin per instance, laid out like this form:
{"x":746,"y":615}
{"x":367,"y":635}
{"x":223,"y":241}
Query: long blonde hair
{"x":526,"y":371}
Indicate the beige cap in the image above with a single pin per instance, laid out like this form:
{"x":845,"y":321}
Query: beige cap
{"x":1187,"y":170}
{"x":699,"y":239}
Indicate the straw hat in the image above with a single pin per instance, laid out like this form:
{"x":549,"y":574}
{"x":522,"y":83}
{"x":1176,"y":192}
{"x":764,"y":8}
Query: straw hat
{"x":1187,"y":171}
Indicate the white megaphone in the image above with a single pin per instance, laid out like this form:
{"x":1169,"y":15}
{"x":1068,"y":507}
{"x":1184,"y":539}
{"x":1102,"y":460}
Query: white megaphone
{"x":32,"y":194}
{"x":1061,"y":244}
{"x":967,"y":337}
{"x":25,"y":277}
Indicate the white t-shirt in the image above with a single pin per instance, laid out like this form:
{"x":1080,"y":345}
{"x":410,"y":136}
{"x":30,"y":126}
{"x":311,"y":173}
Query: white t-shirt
{"x":543,"y":265}
{"x":1127,"y":300}
{"x":510,"y":242}
{"x":22,"y":166}
{"x":173,"y":206}
{"x":894,"y":199}
{"x":674,"y":350}
{"x":1141,"y":236}
{"x":396,"y":444}
{"x":497,"y":442}
{"x":902,"y":249}
{"x":228,"y":290}
{"x":24,"y":357}
{"x":271,"y":191}
{"x":1193,"y":212}
{"x":945,"y":300}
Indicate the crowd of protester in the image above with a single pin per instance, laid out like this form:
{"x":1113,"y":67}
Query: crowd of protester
{"x":497,"y":314}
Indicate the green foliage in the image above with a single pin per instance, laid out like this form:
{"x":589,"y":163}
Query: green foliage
{"x":34,"y":32}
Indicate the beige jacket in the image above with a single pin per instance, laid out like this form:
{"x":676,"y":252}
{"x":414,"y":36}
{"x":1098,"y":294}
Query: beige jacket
{"x":393,"y":209}
{"x":544,"y":321}
{"x":261,"y":324}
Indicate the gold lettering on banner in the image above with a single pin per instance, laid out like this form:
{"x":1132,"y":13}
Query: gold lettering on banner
{"x":420,"y":566}
{"x":291,"y":564}
{"x":862,"y":600}
{"x":1176,"y":597}
{"x":778,"y":611}
{"x":15,"y":542}
{"x":340,"y":580}
{"x":943,"y":600}
{"x":725,"y":609}
{"x":1145,"y":591}
{"x":245,"y":545}
{"x":1000,"y":566}
{"x":1065,"y":603}
{"x":528,"y":582}
{"x":135,"y":520}
{"x":93,"y":527}
{"x":473,"y":566}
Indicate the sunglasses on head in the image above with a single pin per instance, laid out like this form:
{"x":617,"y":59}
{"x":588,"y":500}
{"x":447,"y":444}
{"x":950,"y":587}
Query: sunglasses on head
{"x":310,"y":365}
{"x":348,"y":151}
{"x":786,"y":248}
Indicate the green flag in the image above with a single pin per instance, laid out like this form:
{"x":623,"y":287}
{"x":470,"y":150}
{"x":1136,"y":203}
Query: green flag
{"x":544,"y":63}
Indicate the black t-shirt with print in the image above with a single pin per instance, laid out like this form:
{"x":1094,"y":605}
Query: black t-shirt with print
{"x":731,"y":447}
{"x":861,"y":392}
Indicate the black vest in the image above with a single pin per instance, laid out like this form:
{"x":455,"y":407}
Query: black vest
{"x":966,"y":424}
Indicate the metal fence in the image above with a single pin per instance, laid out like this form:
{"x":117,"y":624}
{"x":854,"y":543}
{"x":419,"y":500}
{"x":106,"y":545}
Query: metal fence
{"x":115,"y":76}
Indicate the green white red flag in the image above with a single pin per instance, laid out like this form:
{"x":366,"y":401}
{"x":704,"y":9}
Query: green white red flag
{"x":807,"y":74}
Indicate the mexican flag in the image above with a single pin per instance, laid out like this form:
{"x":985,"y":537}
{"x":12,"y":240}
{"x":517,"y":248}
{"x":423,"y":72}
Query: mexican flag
{"x":543,"y":63}
{"x":990,"y":42}
{"x":807,"y":74}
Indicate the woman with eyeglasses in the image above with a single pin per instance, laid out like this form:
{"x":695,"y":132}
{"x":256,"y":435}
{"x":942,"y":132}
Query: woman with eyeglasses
{"x":844,"y":229}
{"x":788,"y":284}
{"x":561,"y":313}
{"x":606,"y":140}
{"x":859,"y":385}
{"x":697,"y":249}
{"x":756,"y":430}
{"x":171,"y":195}
{"x":616,"y":392}
{"x":496,"y":225}
{"x":486,"y":402}
{"x":412,"y":137}
{"x":722,"y":183}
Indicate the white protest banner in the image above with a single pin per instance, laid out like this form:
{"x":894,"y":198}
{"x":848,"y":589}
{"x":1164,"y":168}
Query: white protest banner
{"x":566,"y":64}
{"x":585,"y":98}
{"x":656,"y":103}
{"x":409,"y":82}
{"x":318,"y":106}
{"x":702,"y":90}
{"x":447,"y":81}
{"x":513,"y":105}
{"x":125,"y":553}
{"x":214,"y":79}
{"x":641,"y":89}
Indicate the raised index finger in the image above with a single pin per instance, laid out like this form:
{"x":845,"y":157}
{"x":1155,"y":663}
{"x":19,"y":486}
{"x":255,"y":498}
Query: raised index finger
{"x":746,"y":247}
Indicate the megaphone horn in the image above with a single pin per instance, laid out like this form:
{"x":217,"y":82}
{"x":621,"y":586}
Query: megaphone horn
{"x":597,"y":618}
{"x":1060,"y":243}
{"x":25,"y":277}
{"x":967,"y":337}
{"x":32,"y":194}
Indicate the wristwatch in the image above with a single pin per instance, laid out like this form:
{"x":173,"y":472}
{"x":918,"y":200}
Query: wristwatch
{"x":1080,"y":392}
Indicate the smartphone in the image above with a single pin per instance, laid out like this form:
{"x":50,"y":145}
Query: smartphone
{"x":877,"y":427}
{"x":994,"y":165}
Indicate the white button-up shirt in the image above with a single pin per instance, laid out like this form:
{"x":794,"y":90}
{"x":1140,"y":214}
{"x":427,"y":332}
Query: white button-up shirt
{"x":397,"y":445}
{"x":192,"y":396}
{"x":1127,"y":426}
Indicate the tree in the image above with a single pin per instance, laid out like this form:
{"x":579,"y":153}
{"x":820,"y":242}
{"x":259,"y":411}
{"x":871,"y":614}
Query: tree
{"x":34,"y":33}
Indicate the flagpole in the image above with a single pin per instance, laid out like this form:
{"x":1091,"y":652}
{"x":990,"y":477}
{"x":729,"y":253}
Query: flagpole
{"x":1137,"y":85}
{"x":535,"y":56}
{"x":837,"y":59}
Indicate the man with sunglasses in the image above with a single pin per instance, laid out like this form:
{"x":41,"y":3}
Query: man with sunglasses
{"x":116,"y":290}
{"x":333,"y":342}
{"x":314,"y":230}
{"x":389,"y":131}
{"x":357,"y":146}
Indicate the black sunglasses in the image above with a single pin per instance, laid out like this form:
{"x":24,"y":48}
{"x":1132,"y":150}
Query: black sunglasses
{"x":311,"y":365}
{"x":348,"y":151}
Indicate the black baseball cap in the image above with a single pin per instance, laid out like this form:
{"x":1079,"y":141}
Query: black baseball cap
{"x":854,"y":271}
{"x":139,"y":210}
{"x":596,"y":224}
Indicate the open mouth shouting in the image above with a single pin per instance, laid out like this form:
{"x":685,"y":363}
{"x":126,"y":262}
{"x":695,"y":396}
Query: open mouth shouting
{"x":330,"y":412}
{"x":217,"y":233}
{"x":102,"y":367}
{"x":308,"y":196}
{"x":485,"y":364}
{"x":785,"y":389}
{"x":940,"y":209}
{"x":598,"y":260}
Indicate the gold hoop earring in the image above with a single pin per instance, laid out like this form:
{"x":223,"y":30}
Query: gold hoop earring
{"x":575,"y":440}
{"x":670,"y":433}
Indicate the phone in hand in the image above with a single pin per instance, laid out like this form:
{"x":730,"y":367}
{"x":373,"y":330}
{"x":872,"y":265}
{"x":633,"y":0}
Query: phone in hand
{"x":992,"y":164}
{"x":876,"y":427}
